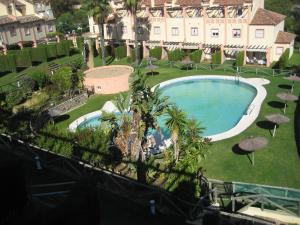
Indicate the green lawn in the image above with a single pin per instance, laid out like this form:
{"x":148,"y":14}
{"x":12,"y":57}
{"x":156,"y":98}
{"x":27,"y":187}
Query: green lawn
{"x":13,"y":78}
{"x":94,"y":103}
{"x":278,"y":164}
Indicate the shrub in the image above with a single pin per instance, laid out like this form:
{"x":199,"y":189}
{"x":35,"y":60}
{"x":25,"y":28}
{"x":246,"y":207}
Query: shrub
{"x":284,"y":59}
{"x":95,"y":145}
{"x":76,"y":63}
{"x":60,"y":51}
{"x":11,"y":59}
{"x":156,"y":52}
{"x":14,"y":98}
{"x":22,"y":57}
{"x":80,"y":42}
{"x":39,"y":54}
{"x":28,"y":84}
{"x":58,"y":145}
{"x":176,"y":55}
{"x":39,"y":77}
{"x":240,"y":59}
{"x":51,"y":51}
{"x":63,"y":78}
{"x":132,"y":55}
{"x":196,"y":56}
{"x":67,"y":45}
{"x":216,"y":57}
{"x":120,"y":52}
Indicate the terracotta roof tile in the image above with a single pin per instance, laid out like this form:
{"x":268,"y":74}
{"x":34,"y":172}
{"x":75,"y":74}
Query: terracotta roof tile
{"x":193,"y":3}
{"x":266,"y":17}
{"x":6,"y":20}
{"x":285,"y":38}
{"x":231,"y":2}
{"x":28,"y":19}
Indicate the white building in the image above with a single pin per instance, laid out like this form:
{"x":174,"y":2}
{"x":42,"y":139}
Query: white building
{"x":229,"y":25}
{"x":24,"y":21}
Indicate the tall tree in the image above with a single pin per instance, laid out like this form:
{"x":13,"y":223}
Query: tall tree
{"x":132,"y":7}
{"x":99,"y":10}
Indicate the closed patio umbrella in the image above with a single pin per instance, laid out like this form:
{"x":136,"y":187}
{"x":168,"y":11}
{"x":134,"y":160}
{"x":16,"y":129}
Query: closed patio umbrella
{"x":277,"y":119}
{"x":151,"y":68}
{"x":286,"y":97}
{"x":253,"y":144}
{"x":187,"y":63}
{"x":293,"y":78}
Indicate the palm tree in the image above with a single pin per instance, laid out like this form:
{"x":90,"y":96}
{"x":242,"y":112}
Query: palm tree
{"x":147,"y":105}
{"x":99,"y":10}
{"x":176,"y":121}
{"x":132,"y":6}
{"x":193,"y":130}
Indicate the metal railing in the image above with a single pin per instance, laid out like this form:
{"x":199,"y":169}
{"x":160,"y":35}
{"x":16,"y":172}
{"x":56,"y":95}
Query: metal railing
{"x":226,"y":68}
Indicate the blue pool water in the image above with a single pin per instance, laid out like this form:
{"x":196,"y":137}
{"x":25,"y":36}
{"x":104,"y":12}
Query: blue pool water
{"x":91,"y":122}
{"x":216,"y":103}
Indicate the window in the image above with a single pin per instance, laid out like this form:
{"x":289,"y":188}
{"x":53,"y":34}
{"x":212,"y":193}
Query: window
{"x":12,"y":31}
{"x":239,"y":12}
{"x":194,"y":31}
{"x":124,"y":29}
{"x":27,"y":31}
{"x":140,"y":30}
{"x":279,"y":50}
{"x":215,"y":33}
{"x":197,"y":13}
{"x":259,"y":33}
{"x":9,"y":10}
{"x":109,"y":29}
{"x":39,"y":28}
{"x":156,"y":30}
{"x":236,"y":33}
{"x":50,"y":28}
{"x":175,"y":31}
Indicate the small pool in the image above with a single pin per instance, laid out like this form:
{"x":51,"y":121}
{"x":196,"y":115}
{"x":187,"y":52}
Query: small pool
{"x":91,"y":122}
{"x":218,"y":104}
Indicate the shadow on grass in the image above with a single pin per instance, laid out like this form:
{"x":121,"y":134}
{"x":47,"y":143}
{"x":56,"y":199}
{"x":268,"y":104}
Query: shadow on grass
{"x":237,"y":150}
{"x":152,"y":73}
{"x":61,"y":118}
{"x":276,"y":104}
{"x":285,"y":86}
{"x":267,"y":125}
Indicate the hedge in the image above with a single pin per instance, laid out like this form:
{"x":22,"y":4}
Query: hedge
{"x":22,"y":57}
{"x":240,"y":59}
{"x":11,"y":59}
{"x":8,"y":63}
{"x":80,"y":42}
{"x":67,"y":46}
{"x":39,"y":54}
{"x":60,"y":51}
{"x":216,"y":57}
{"x":121,"y":52}
{"x":284,"y":59}
{"x":196,"y":56}
{"x":176,"y":55}
{"x":51,"y":51}
{"x":156,"y":52}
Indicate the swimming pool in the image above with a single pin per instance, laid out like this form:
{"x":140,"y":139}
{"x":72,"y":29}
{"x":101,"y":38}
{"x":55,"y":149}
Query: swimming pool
{"x":218,"y":104}
{"x":223,"y":105}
